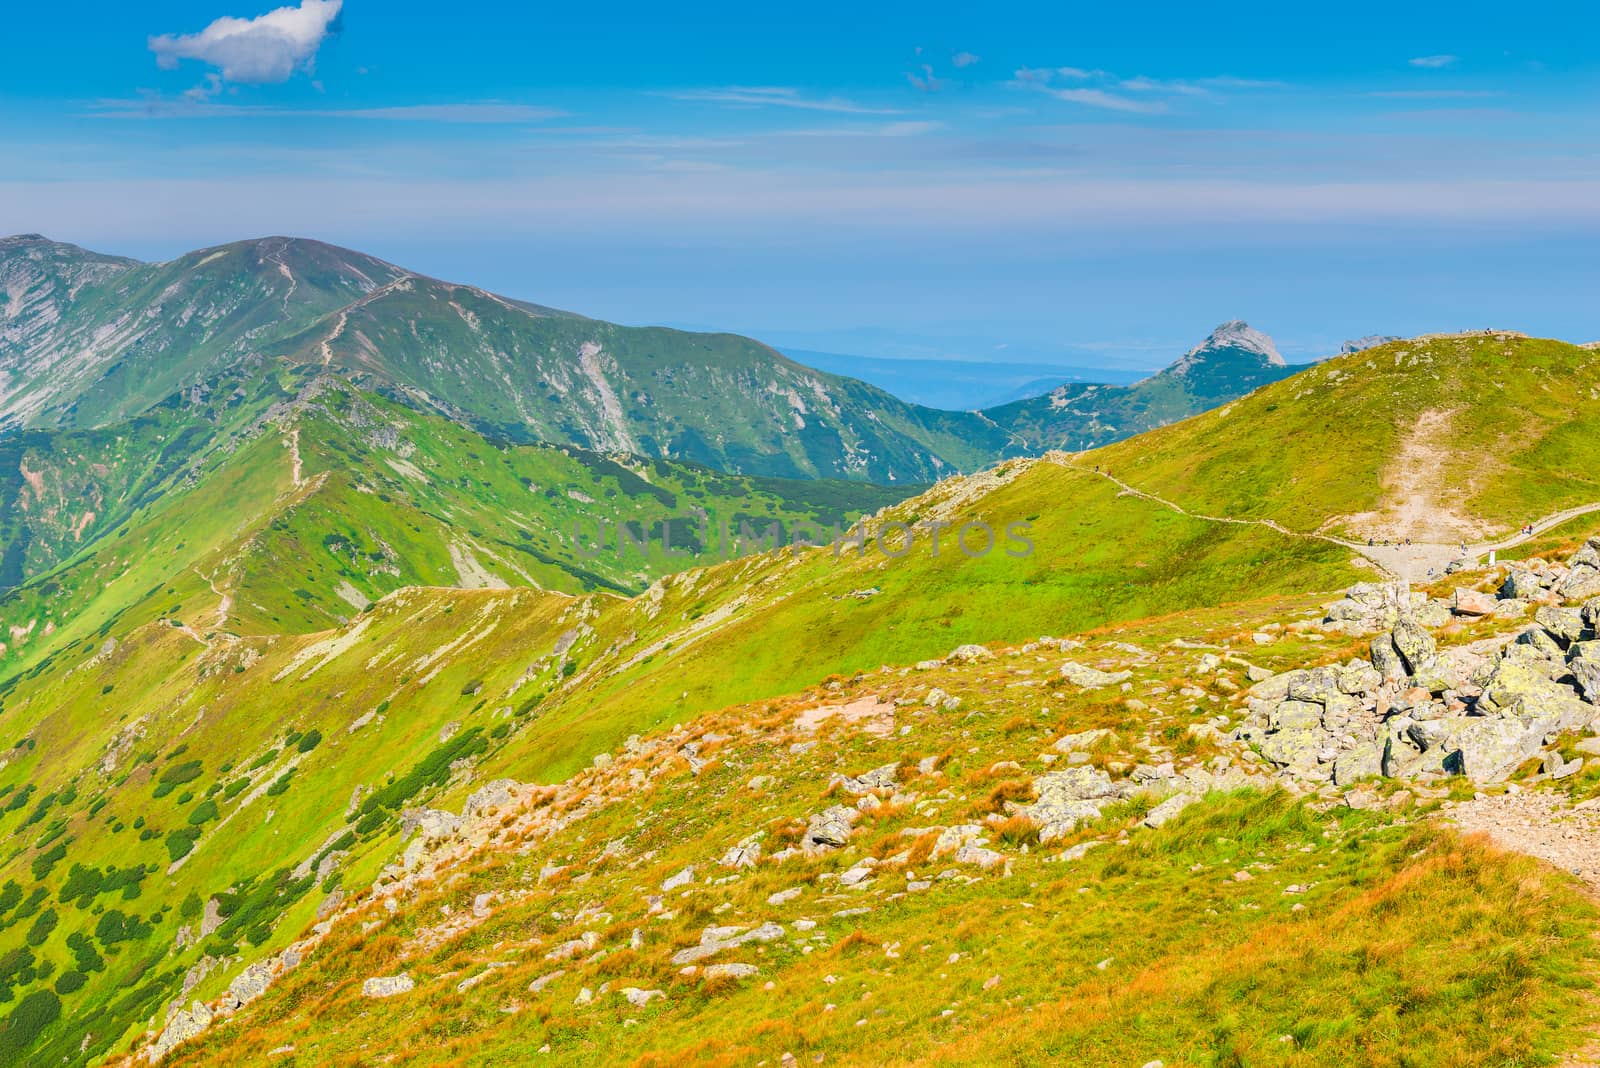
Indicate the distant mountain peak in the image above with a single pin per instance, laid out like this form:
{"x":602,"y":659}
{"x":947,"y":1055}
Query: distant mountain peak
{"x":1234,"y":335}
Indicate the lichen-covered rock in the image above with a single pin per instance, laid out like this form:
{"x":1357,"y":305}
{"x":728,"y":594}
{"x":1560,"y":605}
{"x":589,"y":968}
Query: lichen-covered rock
{"x":1386,"y":659}
{"x":387,"y":986}
{"x":1414,"y":644}
{"x":829,"y":829}
{"x":1295,"y":715}
{"x":1522,"y":585}
{"x":1067,"y":798}
{"x":1582,"y":582}
{"x":1167,"y":810}
{"x":1362,"y":761}
{"x":877,"y":779}
{"x":1299,"y":748}
{"x":1487,"y":749}
{"x":1090,"y":678}
{"x":491,"y":797}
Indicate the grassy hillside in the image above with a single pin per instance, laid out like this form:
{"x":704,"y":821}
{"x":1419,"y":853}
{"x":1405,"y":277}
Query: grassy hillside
{"x":327,"y":499}
{"x":1433,"y":438}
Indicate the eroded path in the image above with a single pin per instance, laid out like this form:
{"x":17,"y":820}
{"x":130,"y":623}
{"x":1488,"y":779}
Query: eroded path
{"x":1539,"y":823}
{"x":1414,"y":562}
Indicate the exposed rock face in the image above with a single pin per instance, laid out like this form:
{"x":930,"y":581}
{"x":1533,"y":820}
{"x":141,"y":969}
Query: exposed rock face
{"x":182,"y":1026}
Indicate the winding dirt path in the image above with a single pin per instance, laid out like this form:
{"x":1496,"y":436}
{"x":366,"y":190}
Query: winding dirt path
{"x":1410,"y":562}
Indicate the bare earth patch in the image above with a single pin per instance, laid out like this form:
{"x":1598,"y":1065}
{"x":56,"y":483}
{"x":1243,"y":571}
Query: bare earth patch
{"x":878,"y":716}
{"x":1539,"y":824}
{"x":1418,"y":502}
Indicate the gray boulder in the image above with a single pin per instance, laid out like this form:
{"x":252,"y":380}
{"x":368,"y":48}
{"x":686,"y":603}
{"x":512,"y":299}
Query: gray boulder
{"x":387,"y":986}
{"x":1386,"y":659}
{"x":1489,"y":749}
{"x":1586,"y":669}
{"x":1295,"y":715}
{"x":1566,"y":625}
{"x":1582,"y":582}
{"x":1296,"y":748}
{"x":492,"y":797}
{"x":1364,"y":760}
{"x":1414,"y":644}
{"x":1522,"y":585}
{"x":248,"y":985}
{"x":1091,"y":679}
{"x":829,"y":829}
{"x":1472,"y":603}
{"x":181,"y":1026}
{"x":1164,"y":813}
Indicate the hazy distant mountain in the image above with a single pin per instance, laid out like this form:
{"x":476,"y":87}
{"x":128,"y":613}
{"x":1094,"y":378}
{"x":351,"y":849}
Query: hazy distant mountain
{"x":1232,"y":361}
{"x":957,"y":385}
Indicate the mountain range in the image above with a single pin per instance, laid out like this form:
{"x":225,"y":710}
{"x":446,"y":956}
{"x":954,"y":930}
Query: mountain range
{"x":87,"y":340}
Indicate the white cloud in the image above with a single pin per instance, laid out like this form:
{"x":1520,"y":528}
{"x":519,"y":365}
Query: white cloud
{"x":1142,"y":84}
{"x":925,"y":81}
{"x":1099,"y":98}
{"x":1140,"y":95}
{"x":269,"y":48}
{"x":885,"y":129}
{"x":1433,"y":62}
{"x":962,"y":60}
{"x":1227,"y":81}
{"x":756,"y":96}
{"x":198,"y":104}
{"x":1436,"y":94}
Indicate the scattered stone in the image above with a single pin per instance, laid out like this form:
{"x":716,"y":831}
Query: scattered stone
{"x":387,"y":986}
{"x":1089,"y":678}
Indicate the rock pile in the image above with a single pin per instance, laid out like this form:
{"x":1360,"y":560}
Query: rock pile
{"x":1412,"y":711}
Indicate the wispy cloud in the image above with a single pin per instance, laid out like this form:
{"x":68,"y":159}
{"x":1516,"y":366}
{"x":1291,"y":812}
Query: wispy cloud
{"x":1433,"y":62}
{"x":924,"y":79}
{"x":913,"y":128}
{"x":269,"y":48}
{"x":758,"y":96}
{"x":1435,"y":94}
{"x":1099,"y":98}
{"x":1227,"y":81}
{"x":1139,"y":94}
{"x":962,"y":60}
{"x":191,"y":107}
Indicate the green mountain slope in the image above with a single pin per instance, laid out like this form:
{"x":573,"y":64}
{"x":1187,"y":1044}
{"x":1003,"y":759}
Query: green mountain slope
{"x":308,"y":500}
{"x":87,"y":341}
{"x":1429,"y":438}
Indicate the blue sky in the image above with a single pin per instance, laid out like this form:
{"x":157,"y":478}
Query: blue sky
{"x":1093,"y":184}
